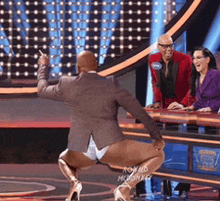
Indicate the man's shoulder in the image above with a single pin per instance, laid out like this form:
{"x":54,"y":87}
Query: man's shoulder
{"x":179,"y":56}
{"x":66,"y":78}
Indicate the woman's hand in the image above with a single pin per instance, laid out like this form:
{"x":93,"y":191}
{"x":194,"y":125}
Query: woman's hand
{"x":175,"y":106}
{"x":205,"y":109}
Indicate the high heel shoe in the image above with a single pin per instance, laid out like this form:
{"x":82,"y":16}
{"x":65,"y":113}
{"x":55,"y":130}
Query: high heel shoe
{"x":117,"y":193}
{"x":75,"y":190}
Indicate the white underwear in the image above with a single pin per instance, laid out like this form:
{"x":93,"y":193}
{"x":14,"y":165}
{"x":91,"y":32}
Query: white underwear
{"x":93,"y":153}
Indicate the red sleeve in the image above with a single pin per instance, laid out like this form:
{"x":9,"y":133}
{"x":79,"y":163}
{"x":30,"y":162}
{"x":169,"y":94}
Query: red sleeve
{"x":156,"y":89}
{"x":188,"y":99}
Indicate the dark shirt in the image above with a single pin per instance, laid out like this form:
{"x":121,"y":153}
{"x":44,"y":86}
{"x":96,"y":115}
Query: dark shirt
{"x":168,"y":87}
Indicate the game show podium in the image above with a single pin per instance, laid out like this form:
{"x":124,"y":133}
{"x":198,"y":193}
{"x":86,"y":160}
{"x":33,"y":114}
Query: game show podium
{"x":191,"y":156}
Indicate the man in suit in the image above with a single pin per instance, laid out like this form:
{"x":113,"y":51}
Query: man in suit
{"x":95,"y":134}
{"x":171,"y":73}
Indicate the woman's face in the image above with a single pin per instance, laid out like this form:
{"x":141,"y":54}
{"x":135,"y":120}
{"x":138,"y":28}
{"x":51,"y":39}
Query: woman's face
{"x":200,"y":61}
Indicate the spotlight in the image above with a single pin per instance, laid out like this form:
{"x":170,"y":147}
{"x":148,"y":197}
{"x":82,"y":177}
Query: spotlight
{"x":139,"y":12}
{"x":70,"y":38}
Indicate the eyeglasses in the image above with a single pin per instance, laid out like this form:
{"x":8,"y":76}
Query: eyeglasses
{"x":198,"y":58}
{"x":165,"y":46}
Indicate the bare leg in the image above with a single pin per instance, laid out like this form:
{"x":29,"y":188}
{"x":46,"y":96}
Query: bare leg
{"x":132,"y":153}
{"x":69,"y":162}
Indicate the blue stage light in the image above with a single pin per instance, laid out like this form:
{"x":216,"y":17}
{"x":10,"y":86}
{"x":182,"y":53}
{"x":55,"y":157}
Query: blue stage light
{"x":19,"y":13}
{"x":212,"y":41}
{"x":4,"y":40}
{"x":53,"y":13}
{"x":110,"y":12}
{"x":80,"y":17}
{"x":157,"y":29}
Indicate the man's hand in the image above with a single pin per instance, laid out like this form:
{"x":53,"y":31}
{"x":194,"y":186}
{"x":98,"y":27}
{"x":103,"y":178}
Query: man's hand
{"x":156,"y":105}
{"x":159,"y":144}
{"x":175,"y":106}
{"x":43,"y":60}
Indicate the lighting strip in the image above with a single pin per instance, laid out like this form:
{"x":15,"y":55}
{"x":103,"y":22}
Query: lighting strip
{"x":127,"y":62}
{"x":165,"y":137}
{"x":151,"y":48}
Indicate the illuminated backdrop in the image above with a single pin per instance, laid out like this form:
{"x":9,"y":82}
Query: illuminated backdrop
{"x":62,"y":29}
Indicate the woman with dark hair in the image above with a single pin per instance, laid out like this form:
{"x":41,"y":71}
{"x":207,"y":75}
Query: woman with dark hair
{"x":205,"y":82}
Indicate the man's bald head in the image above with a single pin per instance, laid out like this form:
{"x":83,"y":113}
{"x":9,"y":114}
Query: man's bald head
{"x":165,"y":47}
{"x":165,"y":39}
{"x":86,"y":61}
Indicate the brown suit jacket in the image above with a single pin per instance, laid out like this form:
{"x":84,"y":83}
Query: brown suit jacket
{"x":94,"y":101}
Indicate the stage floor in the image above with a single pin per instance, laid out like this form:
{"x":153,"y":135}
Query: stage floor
{"x":37,"y":182}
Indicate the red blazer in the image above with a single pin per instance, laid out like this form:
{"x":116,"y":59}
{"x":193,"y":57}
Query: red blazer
{"x":182,"y":65}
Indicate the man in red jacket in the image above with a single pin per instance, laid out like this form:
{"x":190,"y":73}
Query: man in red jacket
{"x":171,"y":71}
